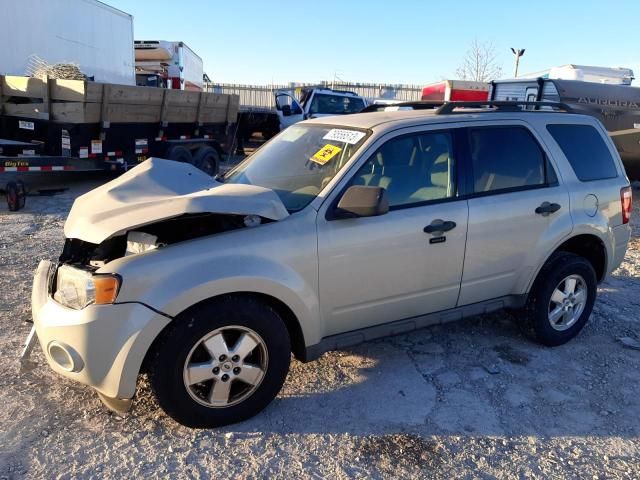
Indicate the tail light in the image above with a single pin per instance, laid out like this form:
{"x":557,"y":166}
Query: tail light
{"x":625,"y":200}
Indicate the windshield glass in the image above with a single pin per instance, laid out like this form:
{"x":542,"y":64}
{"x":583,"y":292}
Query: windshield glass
{"x":299,"y":163}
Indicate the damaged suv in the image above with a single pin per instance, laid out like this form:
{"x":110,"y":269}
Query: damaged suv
{"x":338,"y":231}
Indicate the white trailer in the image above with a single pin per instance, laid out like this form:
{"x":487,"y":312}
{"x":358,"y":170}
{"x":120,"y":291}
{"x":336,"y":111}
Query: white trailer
{"x":161,"y":63}
{"x":96,"y":37}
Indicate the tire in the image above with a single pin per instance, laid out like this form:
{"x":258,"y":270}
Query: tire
{"x":549,"y":298}
{"x":181,"y":357}
{"x":207,"y":159}
{"x":13,"y":201}
{"x":22,"y":194}
{"x":179,"y":154}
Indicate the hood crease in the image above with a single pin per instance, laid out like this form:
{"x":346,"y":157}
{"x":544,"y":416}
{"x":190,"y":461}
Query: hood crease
{"x":158,"y":190}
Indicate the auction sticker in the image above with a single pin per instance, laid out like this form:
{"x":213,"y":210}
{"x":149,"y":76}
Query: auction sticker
{"x":325,"y":154}
{"x":345,"y":136}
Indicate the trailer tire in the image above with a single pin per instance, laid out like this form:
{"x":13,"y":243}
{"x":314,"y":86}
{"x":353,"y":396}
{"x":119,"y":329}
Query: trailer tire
{"x":13,"y":202}
{"x":179,"y":154}
{"x":207,"y":159}
{"x":22,"y":194}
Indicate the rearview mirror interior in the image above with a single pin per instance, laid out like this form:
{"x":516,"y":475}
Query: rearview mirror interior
{"x":361,"y":201}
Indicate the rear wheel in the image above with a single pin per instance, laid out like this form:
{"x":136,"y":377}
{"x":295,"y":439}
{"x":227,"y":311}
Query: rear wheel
{"x":179,"y":154}
{"x":220,"y":362}
{"x":207,"y":159}
{"x":561,"y":299}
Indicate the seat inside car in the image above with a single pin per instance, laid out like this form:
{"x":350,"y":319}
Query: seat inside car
{"x":411,"y":169}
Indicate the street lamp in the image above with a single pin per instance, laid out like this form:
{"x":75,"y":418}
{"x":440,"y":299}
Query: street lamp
{"x":518,"y":53}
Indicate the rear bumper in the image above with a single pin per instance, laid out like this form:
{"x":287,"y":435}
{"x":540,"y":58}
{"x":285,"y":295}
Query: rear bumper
{"x":621,"y":237}
{"x":102,"y":346}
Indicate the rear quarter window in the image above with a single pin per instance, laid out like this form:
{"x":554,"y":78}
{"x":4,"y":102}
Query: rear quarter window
{"x":586,"y":151}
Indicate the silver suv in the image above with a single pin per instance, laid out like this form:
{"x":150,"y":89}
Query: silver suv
{"x":338,"y":231}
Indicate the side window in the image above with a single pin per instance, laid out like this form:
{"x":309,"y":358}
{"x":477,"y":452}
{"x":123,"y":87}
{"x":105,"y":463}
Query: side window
{"x":413,"y":169}
{"x":505,"y":158}
{"x":586,"y":151}
{"x":336,"y":104}
{"x":285,"y":99}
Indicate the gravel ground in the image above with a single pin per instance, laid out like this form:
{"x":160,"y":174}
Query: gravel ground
{"x":471,"y":399}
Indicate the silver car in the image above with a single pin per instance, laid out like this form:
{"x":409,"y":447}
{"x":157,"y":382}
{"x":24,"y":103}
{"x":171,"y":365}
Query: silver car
{"x":337,"y":231}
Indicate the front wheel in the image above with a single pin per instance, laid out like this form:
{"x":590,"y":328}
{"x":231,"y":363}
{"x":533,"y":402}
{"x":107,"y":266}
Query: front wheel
{"x":220,"y":362}
{"x":561,"y":299}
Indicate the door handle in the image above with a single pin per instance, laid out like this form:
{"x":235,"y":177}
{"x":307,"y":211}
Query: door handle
{"x":440,"y":226}
{"x":547,"y":208}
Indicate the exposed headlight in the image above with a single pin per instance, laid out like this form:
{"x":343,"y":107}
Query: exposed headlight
{"x":77,"y":288}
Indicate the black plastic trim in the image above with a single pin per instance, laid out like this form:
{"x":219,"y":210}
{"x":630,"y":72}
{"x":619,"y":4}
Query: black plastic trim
{"x":355,"y":337}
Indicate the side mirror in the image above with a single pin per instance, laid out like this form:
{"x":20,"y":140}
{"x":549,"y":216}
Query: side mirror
{"x":361,"y":201}
{"x":286,"y":110}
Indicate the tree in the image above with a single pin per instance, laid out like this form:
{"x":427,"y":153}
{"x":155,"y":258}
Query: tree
{"x":480,"y":63}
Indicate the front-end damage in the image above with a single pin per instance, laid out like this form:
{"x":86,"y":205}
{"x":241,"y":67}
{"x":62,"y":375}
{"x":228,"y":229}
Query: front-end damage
{"x":74,"y":303}
{"x":160,"y":203}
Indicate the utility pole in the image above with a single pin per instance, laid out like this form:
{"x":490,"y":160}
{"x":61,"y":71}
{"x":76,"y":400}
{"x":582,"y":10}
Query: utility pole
{"x":518,"y":53}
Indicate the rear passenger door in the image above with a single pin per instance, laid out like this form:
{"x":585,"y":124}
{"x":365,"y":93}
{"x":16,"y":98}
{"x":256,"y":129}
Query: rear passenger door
{"x":517,"y":211}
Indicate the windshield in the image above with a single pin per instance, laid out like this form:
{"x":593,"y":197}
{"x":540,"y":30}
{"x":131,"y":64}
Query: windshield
{"x":299,"y":163}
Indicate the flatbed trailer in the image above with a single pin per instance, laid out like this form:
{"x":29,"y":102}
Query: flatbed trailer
{"x":71,"y":125}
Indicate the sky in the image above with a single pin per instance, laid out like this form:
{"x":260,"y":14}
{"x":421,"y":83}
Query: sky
{"x":400,"y":41}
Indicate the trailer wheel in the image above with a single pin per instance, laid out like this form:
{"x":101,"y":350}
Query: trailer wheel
{"x":207,"y":159}
{"x":12,"y":196}
{"x":179,"y":154}
{"x":22,"y":194}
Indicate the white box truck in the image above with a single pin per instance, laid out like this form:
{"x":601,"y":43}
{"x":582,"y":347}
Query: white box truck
{"x":88,"y":33}
{"x":166,"y":64}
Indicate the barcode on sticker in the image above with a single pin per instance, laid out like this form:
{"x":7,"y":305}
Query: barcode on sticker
{"x":345,"y":136}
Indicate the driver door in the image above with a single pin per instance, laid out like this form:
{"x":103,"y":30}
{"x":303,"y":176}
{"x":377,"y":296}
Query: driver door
{"x":375,"y":270}
{"x":289,"y":111}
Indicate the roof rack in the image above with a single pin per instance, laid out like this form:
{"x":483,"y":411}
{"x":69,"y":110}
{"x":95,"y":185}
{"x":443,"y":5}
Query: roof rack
{"x":417,"y":105}
{"x":501,"y":106}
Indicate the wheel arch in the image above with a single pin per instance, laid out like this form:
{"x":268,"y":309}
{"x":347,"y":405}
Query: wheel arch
{"x":587,"y":245}
{"x":291,"y":321}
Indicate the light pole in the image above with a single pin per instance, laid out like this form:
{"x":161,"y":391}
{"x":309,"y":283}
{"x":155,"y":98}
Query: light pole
{"x":518,"y":53}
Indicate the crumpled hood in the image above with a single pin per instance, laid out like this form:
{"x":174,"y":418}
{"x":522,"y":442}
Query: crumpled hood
{"x":160,"y":189}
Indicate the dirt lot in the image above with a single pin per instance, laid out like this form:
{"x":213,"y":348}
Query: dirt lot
{"x":472,"y":399}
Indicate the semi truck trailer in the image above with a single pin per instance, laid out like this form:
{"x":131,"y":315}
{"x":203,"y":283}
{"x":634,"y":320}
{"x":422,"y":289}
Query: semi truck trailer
{"x":87,"y":33}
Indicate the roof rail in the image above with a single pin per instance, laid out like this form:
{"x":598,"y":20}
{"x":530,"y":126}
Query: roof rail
{"x":501,"y":106}
{"x":417,"y":105}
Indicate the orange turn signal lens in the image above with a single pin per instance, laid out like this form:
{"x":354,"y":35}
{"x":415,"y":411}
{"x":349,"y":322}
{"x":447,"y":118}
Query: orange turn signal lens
{"x":106,"y":288}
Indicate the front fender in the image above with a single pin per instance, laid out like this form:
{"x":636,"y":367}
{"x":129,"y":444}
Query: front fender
{"x":171,"y":283}
{"x":248,"y":274}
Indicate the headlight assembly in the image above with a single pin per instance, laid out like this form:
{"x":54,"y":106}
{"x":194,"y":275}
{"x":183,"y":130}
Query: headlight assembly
{"x":77,"y":288}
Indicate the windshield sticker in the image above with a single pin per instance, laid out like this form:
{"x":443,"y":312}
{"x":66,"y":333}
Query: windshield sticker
{"x":346,"y":136}
{"x":292,"y":134}
{"x":325,"y":154}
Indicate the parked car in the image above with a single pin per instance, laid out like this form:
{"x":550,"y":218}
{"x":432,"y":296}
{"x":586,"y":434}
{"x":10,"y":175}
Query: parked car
{"x":338,"y":231}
